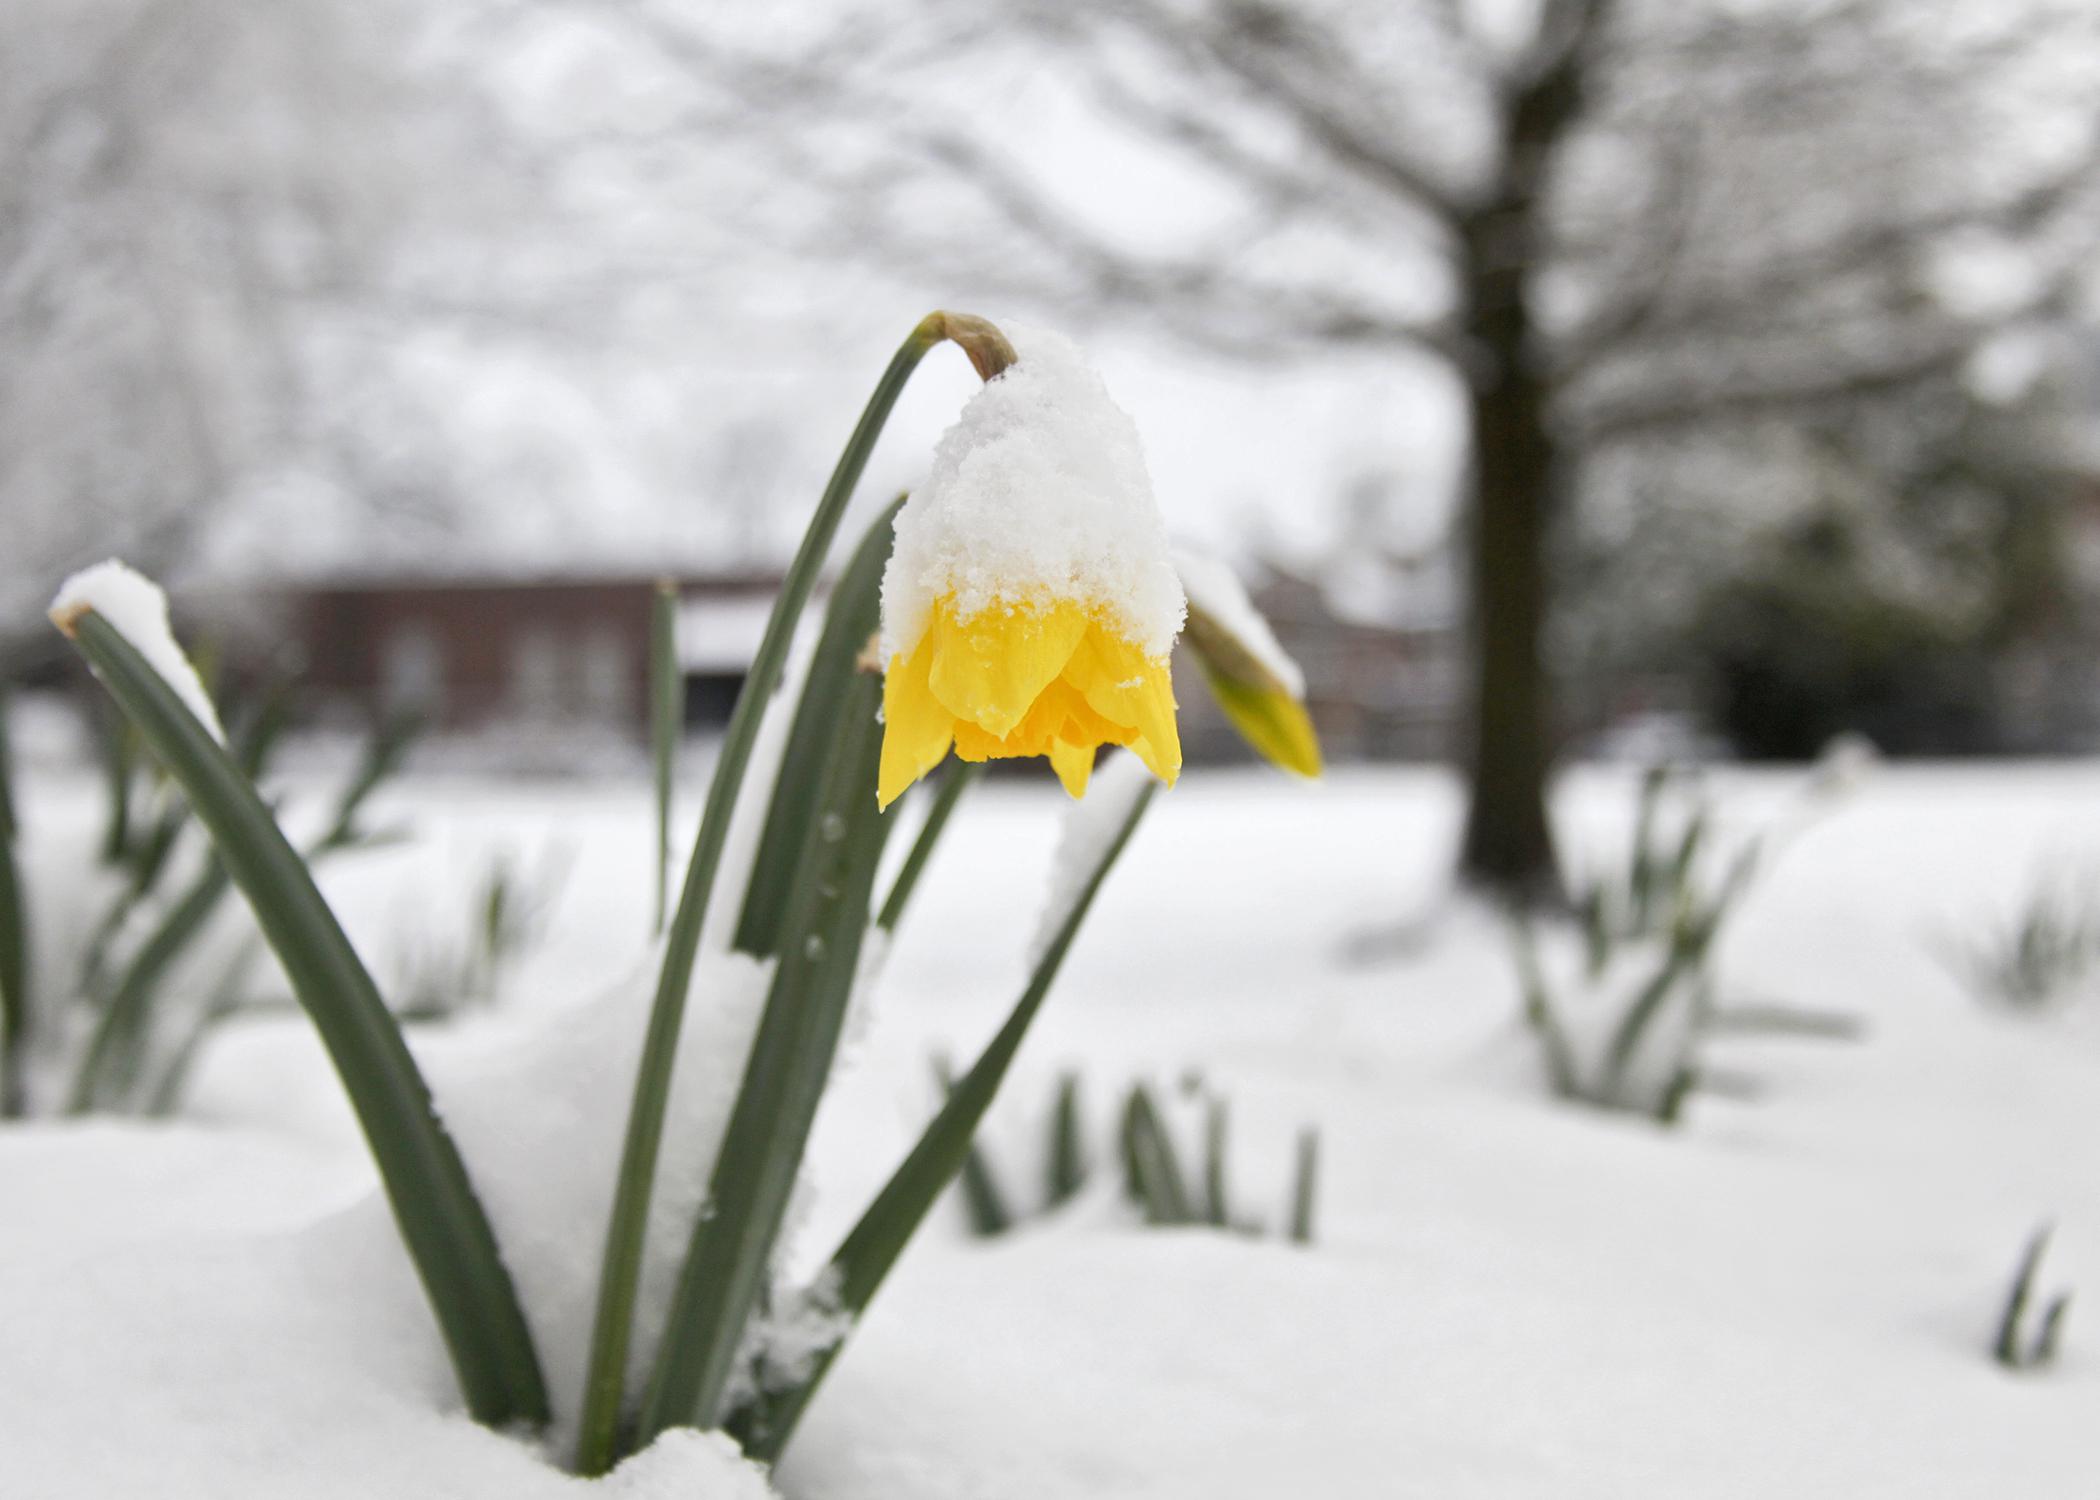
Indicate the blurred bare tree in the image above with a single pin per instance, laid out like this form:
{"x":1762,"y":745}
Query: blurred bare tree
{"x":1611,"y":220}
{"x":1619,"y":227}
{"x":180,"y":182}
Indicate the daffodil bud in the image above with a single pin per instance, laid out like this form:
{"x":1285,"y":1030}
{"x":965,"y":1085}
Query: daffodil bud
{"x":1260,"y":688}
{"x":1030,"y":602}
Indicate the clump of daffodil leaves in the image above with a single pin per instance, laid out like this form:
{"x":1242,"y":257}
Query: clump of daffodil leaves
{"x":1027,"y":604}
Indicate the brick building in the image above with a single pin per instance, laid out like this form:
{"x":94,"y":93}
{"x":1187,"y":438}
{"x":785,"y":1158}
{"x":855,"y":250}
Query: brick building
{"x":473,"y":654}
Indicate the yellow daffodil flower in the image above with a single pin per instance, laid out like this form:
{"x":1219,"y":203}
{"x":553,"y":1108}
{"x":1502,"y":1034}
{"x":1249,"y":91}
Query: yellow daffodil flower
{"x":1054,"y":678}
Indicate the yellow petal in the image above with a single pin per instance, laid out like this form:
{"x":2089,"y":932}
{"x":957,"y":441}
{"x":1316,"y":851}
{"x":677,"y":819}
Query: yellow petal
{"x":990,"y":669}
{"x":916,"y":730}
{"x":1073,"y":764}
{"x":1125,"y":686}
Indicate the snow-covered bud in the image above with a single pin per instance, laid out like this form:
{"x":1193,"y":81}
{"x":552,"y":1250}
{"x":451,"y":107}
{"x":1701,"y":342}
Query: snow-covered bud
{"x":1257,"y":684}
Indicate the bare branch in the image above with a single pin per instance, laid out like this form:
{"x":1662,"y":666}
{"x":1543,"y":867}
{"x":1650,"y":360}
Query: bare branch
{"x":1267,"y":50}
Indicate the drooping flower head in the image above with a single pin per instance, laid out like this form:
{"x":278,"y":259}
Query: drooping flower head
{"x":1031,"y":601}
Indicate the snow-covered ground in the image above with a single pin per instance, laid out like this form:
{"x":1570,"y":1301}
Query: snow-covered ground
{"x":1791,"y":1294}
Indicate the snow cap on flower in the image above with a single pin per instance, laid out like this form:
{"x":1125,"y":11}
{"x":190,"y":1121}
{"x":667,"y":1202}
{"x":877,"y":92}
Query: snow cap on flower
{"x":1031,"y":600}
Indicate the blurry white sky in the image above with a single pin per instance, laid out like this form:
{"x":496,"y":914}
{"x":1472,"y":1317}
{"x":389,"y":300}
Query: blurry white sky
{"x":683,"y":413}
{"x":571,"y":463}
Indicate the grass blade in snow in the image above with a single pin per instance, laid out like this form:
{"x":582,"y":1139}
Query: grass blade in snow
{"x":2006,"y":1347}
{"x":666,"y":719}
{"x":868,"y":1252}
{"x":116,"y":1045}
{"x":1217,"y":1207}
{"x":1154,"y":1166}
{"x":984,"y":1206}
{"x":1647,"y":1006}
{"x":116,"y":1049}
{"x":1305,"y":1186}
{"x":447,"y":1235}
{"x":1067,"y":1147}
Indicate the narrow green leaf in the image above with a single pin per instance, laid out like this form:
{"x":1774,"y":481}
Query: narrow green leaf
{"x":115,"y":1054}
{"x":813,"y":740}
{"x":620,"y":1279}
{"x":1305,"y":1186}
{"x":864,"y":1258}
{"x":1633,"y":1026}
{"x":1539,"y":1016}
{"x":2048,"y":1339}
{"x":2005,"y":1348}
{"x":119,"y":762}
{"x":224,"y":1001}
{"x":960,"y":776}
{"x":1157,"y":1181}
{"x":442,"y":1224}
{"x":1642,"y":872}
{"x":984,"y":1206}
{"x":666,"y":722}
{"x":1217,"y":1208}
{"x":1068,"y":1165}
{"x":116,"y":1046}
{"x":385,"y":749}
{"x":253,"y":743}
{"x":783,"y":1083}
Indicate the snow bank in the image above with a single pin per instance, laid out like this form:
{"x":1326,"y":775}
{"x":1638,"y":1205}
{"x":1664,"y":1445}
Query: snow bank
{"x":1511,"y":1299}
{"x":134,"y":604}
{"x":189,"y":1348}
{"x":540,"y":1117}
{"x":1090,"y":826}
{"x":1216,"y":590}
{"x":1039,"y":490}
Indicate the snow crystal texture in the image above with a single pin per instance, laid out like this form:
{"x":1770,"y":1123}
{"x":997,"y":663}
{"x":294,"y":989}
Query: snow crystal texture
{"x":134,"y":604}
{"x":1039,"y":491}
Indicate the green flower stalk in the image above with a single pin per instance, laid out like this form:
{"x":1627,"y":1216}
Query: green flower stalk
{"x":620,"y":1280}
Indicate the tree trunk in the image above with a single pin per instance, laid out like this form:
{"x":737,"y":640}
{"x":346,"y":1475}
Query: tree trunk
{"x":1516,"y":471}
{"x":1508,"y":845}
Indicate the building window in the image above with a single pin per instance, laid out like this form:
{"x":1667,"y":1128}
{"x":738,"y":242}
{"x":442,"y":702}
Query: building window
{"x":412,"y":672}
{"x":608,"y":676}
{"x":535,"y":676}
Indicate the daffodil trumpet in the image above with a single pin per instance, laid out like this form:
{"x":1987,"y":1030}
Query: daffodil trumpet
{"x":1053,"y":678}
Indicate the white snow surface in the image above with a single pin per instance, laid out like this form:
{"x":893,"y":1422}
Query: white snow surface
{"x":135,"y":605}
{"x":1039,"y":491}
{"x":1510,"y":1298}
{"x":1214,"y":588}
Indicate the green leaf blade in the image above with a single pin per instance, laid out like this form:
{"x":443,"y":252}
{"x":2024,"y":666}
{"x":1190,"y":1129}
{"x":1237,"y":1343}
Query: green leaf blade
{"x":447,"y":1235}
{"x":871,"y":1248}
